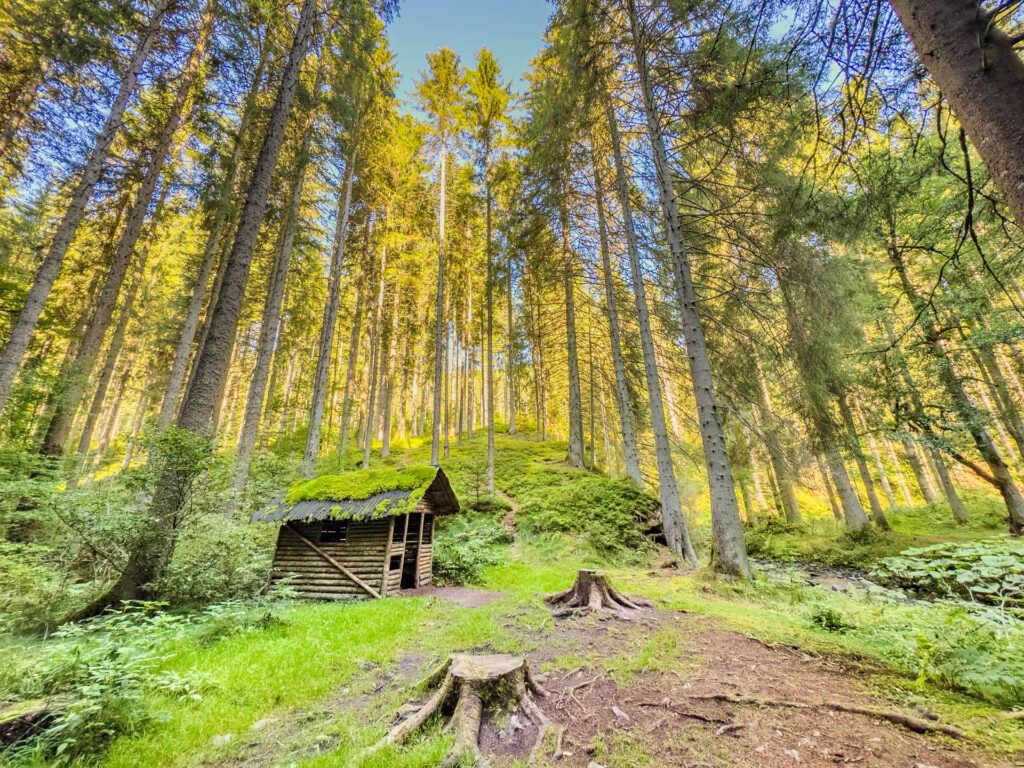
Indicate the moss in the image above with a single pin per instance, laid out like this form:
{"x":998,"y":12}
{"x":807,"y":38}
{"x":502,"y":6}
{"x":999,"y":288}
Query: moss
{"x":353,"y":486}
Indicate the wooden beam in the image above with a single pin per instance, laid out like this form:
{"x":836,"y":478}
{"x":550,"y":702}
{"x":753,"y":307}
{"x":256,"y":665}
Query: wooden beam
{"x":366,"y":587}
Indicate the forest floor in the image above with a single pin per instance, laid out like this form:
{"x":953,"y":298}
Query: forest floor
{"x":313,"y":690}
{"x":296,"y":684}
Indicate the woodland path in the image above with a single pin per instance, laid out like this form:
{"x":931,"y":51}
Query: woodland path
{"x":636,"y":693}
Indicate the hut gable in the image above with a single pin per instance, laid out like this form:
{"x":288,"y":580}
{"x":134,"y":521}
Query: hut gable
{"x":361,"y":534}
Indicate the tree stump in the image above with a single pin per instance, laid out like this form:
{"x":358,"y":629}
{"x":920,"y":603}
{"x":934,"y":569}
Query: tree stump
{"x":593,"y":592}
{"x":475,"y":682}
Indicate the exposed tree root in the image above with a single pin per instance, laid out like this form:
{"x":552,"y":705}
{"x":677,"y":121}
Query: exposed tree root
{"x":913,"y":723}
{"x":593,"y":592}
{"x":477,"y":682}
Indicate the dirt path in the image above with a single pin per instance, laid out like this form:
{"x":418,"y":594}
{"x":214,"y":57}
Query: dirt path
{"x":659,"y":711}
{"x":509,"y":521}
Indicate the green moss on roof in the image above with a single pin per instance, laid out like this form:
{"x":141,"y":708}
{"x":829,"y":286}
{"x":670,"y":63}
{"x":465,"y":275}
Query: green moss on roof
{"x":363,"y":484}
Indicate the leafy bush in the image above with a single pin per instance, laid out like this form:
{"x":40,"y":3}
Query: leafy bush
{"x":990,"y":572}
{"x":466,"y":544}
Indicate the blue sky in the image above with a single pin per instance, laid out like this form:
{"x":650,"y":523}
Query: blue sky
{"x":513,"y":29}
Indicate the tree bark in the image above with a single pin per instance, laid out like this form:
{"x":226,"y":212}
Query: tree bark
{"x":21,"y":331}
{"x":183,"y":352}
{"x":674,"y":524}
{"x":837,"y":513}
{"x":439,"y":345}
{"x":853,"y":512}
{"x":942,"y":472}
{"x":330,"y":320}
{"x":725,"y":516}
{"x":974,"y":64}
{"x":632,"y":455}
{"x":92,"y":340}
{"x":375,"y":363}
{"x":490,"y":332}
{"x":853,"y":440}
{"x":575,"y":454}
{"x":271,"y":315}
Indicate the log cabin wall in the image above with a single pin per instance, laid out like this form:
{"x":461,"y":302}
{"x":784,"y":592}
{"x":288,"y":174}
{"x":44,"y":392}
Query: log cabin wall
{"x":362,"y":552}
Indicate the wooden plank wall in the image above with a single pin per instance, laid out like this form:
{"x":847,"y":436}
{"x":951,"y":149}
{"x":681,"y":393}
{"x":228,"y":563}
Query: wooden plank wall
{"x":362,"y":552}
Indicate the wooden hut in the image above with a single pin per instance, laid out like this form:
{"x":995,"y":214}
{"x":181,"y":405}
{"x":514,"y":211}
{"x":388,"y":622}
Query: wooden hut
{"x":359,"y":535}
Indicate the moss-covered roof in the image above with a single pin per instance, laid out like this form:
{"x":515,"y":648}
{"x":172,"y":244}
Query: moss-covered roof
{"x":364,"y":495}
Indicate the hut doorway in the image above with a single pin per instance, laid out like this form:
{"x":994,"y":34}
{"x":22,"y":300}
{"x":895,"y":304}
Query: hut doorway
{"x":410,"y":566}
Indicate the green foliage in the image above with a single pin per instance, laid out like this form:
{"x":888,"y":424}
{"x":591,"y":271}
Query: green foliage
{"x":990,"y":572}
{"x":101,"y":671}
{"x":828,"y":619}
{"x":465,"y":545}
{"x":365,"y":483}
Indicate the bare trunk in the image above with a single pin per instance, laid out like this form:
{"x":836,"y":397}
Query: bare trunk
{"x":837,"y":513}
{"x":853,"y":512}
{"x":330,"y":320}
{"x":924,"y":480}
{"x":21,"y":331}
{"x":726,"y":526}
{"x":772,"y":429}
{"x":862,"y":465}
{"x":375,"y":363}
{"x":976,"y":68}
{"x":271,"y":319}
{"x":510,"y":355}
{"x":575,"y":454}
{"x":632,"y":455}
{"x":671,"y":507}
{"x":901,"y":479}
{"x":183,"y":352}
{"x":490,"y":339}
{"x":883,"y":478}
{"x":942,"y":472}
{"x":439,"y":345}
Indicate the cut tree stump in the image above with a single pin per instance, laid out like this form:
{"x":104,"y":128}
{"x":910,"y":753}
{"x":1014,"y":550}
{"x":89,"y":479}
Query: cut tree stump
{"x":475,"y":682}
{"x":592,"y":591}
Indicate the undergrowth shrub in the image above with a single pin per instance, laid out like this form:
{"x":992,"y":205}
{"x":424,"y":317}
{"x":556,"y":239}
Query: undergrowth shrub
{"x":466,"y":544}
{"x":98,"y":672}
{"x":989,"y":571}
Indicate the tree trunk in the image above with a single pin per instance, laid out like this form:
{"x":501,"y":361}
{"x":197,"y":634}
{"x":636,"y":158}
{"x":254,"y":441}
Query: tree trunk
{"x":490,"y":335}
{"x":853,"y":440}
{"x":837,"y":513}
{"x":725,"y":516}
{"x":924,"y":480}
{"x":771,"y":428}
{"x":183,"y":352}
{"x":575,"y":454}
{"x":21,"y":331}
{"x":999,"y":474}
{"x":439,"y":345}
{"x":942,"y":472}
{"x":674,"y":524}
{"x":353,"y":346}
{"x":632,"y":455}
{"x":375,"y":363}
{"x":898,"y":470}
{"x":975,"y":66}
{"x":271,"y":316}
{"x":196,"y":414}
{"x":330,"y":320}
{"x":883,"y":478}
{"x":853,"y":512}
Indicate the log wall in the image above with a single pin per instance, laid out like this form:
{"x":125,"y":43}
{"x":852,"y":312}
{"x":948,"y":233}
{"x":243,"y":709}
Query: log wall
{"x":362,"y":553}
